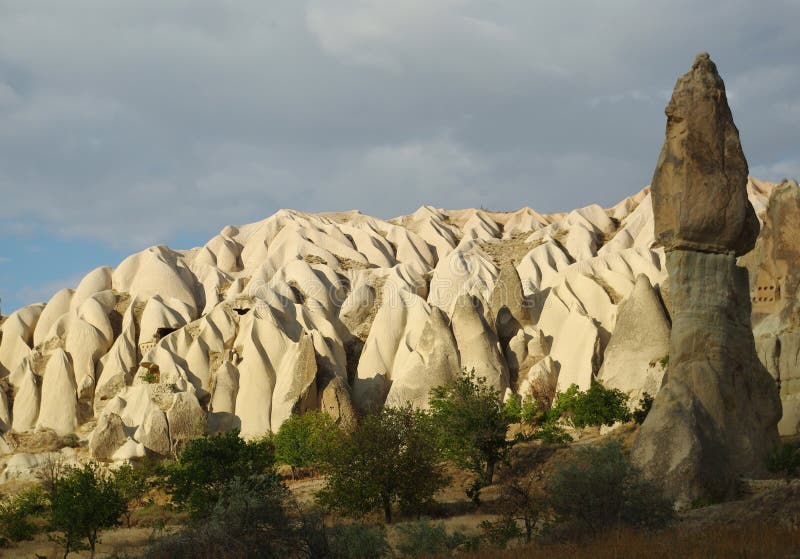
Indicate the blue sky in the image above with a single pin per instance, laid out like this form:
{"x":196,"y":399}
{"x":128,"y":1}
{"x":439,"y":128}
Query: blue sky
{"x":128,"y":124}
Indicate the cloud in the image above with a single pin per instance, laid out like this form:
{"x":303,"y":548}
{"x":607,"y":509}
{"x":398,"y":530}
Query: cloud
{"x":193,"y":115}
{"x":4,"y":260}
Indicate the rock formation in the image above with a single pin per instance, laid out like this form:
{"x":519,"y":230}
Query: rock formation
{"x":341,"y":312}
{"x":715,"y":417}
{"x":775,"y":296}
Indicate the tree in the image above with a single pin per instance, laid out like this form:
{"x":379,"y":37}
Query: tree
{"x":83,"y":502}
{"x":208,"y":463}
{"x":17,"y":515}
{"x":472,"y":424}
{"x":598,"y":487}
{"x":391,"y":456}
{"x":252,"y":517}
{"x":132,"y":485}
{"x":305,"y":441}
{"x":597,"y":406}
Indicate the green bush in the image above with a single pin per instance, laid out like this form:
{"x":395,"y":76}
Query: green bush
{"x":391,"y":456}
{"x":472,"y":423}
{"x":18,"y":515}
{"x":425,"y":539}
{"x":785,"y":460}
{"x":305,"y":441}
{"x":501,"y":532}
{"x":252,"y":517}
{"x":645,"y":403}
{"x":196,"y":480}
{"x":522,"y":410}
{"x":83,"y":502}
{"x":598,"y":487}
{"x":357,"y":541}
{"x":550,"y":432}
{"x":597,"y":406}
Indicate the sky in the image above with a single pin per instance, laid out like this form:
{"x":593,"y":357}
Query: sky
{"x":131,"y":123}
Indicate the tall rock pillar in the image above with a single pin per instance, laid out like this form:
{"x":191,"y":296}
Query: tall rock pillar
{"x":715,"y":417}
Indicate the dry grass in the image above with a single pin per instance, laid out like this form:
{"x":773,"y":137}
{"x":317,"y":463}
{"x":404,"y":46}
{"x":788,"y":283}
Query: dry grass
{"x":762,"y":541}
{"x":511,"y":250}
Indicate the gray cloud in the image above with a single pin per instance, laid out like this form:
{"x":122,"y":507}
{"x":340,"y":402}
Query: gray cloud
{"x":133,"y":123}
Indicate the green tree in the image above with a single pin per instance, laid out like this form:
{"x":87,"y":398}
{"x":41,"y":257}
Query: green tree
{"x":208,"y":463}
{"x":472,"y":424}
{"x":17,"y":515}
{"x":598,"y":487}
{"x":132,"y":486}
{"x":391,"y":456}
{"x":597,"y":406}
{"x":83,"y":502}
{"x":305,"y":441}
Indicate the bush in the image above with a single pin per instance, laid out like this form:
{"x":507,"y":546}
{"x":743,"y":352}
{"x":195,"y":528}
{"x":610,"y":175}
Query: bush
{"x":196,"y":480}
{"x":550,"y":432}
{"x":83,"y":502}
{"x":357,"y":541}
{"x":598,"y":487}
{"x":17,"y":515}
{"x":252,"y":517}
{"x":390,"y":456}
{"x":501,"y":532}
{"x":597,"y":406}
{"x":305,"y":441}
{"x":425,"y":539}
{"x":785,"y":460}
{"x":522,"y":410}
{"x":645,"y":403}
{"x":472,"y":424}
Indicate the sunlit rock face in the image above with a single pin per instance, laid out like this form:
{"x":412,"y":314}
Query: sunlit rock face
{"x":342,"y":312}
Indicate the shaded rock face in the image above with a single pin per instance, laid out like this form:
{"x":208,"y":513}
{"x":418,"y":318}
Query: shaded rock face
{"x":715,"y":417}
{"x":774,"y":289}
{"x":698,"y":189}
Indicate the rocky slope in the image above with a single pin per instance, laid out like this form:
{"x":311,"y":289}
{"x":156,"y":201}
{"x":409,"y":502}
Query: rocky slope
{"x":345,"y":312}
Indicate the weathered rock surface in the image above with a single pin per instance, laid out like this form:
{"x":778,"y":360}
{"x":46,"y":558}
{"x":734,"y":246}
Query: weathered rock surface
{"x":632,"y":360}
{"x":774,"y":268}
{"x":335,"y":311}
{"x":699,"y":197}
{"x":715,"y":418}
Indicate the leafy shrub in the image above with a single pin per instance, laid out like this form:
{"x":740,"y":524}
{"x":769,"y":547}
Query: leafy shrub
{"x":390,"y":456}
{"x":305,"y":441}
{"x":196,"y":480}
{"x":252,"y":517}
{"x":645,"y":403}
{"x":84,"y":502}
{"x":597,"y":406}
{"x":598,"y":487}
{"x":521,"y":410}
{"x":357,"y":541}
{"x":785,"y":460}
{"x":424,"y":539}
{"x":501,"y":532}
{"x":472,"y":424}
{"x":550,"y":432}
{"x":17,"y":515}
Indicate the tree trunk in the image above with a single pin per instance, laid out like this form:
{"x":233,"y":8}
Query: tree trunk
{"x":528,"y":530}
{"x":387,"y":510}
{"x":489,"y":472}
